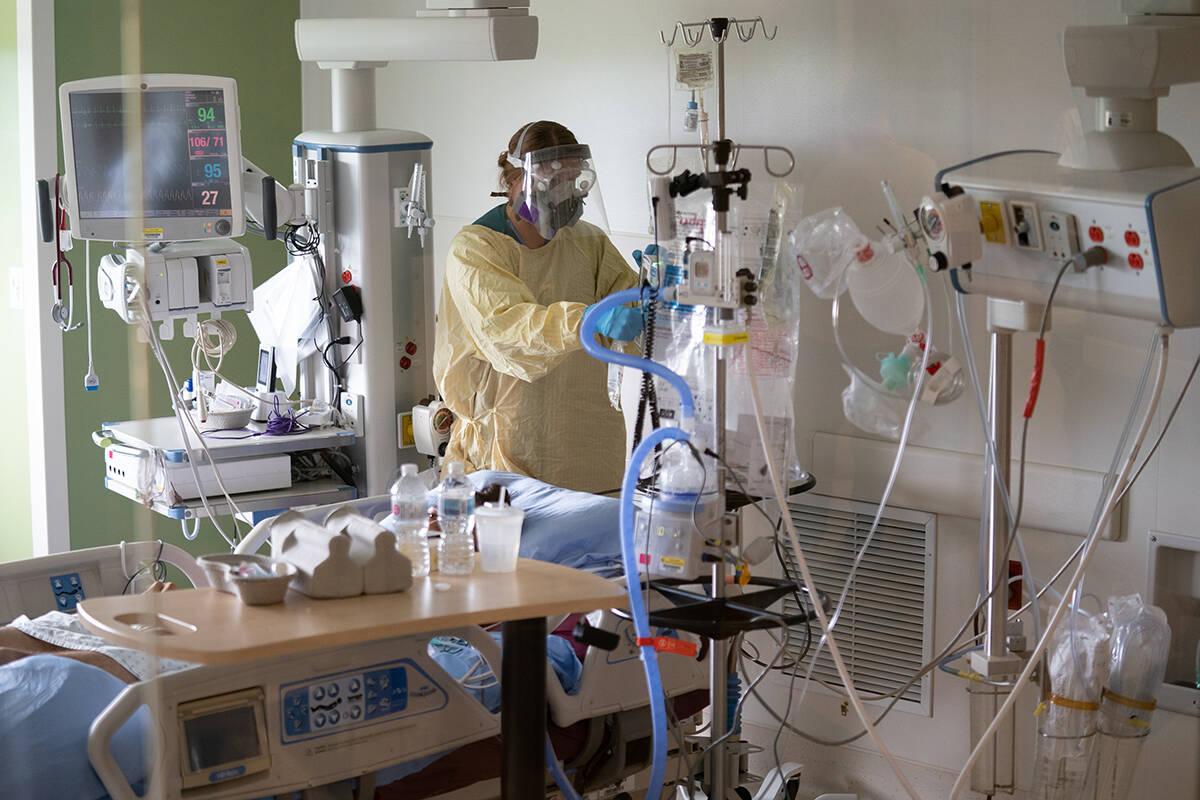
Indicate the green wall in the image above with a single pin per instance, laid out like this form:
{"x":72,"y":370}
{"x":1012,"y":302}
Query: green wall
{"x":258,"y":50}
{"x":15,"y":539}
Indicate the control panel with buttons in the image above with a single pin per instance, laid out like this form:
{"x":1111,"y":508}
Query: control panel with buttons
{"x":1143,"y":220}
{"x":336,"y":703}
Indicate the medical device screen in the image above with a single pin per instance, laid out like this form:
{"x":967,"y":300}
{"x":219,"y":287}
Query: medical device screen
{"x":185,"y":154}
{"x":223,"y":737}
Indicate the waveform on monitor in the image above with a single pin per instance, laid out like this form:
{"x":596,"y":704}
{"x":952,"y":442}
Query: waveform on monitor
{"x":105,"y":196}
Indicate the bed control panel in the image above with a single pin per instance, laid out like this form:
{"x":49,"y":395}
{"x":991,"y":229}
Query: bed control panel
{"x":343,"y":701}
{"x":68,"y":591}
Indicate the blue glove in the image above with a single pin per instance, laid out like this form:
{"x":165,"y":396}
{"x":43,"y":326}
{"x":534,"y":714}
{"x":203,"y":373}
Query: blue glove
{"x":651,"y":250}
{"x":621,"y":323}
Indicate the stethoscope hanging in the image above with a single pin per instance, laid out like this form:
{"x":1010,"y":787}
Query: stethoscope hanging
{"x":63,"y":313}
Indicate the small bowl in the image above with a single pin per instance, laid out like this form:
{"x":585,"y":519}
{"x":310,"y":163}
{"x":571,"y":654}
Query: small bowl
{"x":257,"y":580}
{"x":224,"y":419}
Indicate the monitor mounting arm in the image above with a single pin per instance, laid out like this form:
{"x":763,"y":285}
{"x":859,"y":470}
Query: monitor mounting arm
{"x":270,"y":203}
{"x":448,"y":30}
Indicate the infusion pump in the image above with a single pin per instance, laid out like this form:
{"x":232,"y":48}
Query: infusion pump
{"x":289,"y":723}
{"x":1006,"y":223}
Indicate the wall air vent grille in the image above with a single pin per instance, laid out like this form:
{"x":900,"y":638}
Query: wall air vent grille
{"x":885,"y":633}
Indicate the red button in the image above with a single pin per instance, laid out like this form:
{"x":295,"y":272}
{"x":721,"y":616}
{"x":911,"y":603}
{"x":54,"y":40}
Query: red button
{"x":1096,"y":234}
{"x":405,"y":362}
{"x":346,"y":276}
{"x":1135,"y":261}
{"x":411,"y":348}
{"x":1132,"y":239}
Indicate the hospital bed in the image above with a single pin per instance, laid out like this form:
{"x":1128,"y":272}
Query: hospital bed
{"x":597,"y":698}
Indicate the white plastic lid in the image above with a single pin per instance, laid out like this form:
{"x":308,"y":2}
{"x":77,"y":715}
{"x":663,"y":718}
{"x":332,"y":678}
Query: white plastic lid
{"x":408,"y":469}
{"x":499,"y":510}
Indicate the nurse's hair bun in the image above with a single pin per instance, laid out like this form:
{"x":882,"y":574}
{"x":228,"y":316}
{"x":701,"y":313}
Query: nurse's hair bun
{"x":530,"y":137}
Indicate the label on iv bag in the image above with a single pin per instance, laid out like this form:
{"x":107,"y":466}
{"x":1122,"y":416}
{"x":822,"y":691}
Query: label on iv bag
{"x":744,"y":452}
{"x":694,"y":69}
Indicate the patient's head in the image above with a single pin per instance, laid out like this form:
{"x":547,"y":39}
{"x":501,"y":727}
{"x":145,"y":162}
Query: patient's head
{"x":488,"y":494}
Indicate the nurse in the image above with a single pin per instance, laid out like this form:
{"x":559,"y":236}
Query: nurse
{"x":508,"y":359}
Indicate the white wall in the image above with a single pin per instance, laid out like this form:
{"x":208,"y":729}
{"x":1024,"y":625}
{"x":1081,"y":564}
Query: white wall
{"x":860,"y":91}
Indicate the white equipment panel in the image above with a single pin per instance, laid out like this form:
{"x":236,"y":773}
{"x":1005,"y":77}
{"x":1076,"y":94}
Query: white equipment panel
{"x":139,"y":469}
{"x":285,"y":724}
{"x":1037,"y":214}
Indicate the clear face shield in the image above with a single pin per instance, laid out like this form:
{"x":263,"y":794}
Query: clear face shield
{"x":559,"y":189}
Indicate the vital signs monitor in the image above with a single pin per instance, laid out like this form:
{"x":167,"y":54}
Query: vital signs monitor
{"x":184,"y":181}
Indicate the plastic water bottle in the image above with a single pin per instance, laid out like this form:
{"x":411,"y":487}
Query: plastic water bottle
{"x":886,"y":290}
{"x":456,"y":510}
{"x":408,"y":519}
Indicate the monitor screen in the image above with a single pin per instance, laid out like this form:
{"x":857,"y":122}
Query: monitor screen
{"x":185,"y":162}
{"x":223,"y":737}
{"x":266,"y":369}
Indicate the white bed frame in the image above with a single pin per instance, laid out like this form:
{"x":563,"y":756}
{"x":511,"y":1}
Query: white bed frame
{"x":59,"y":582}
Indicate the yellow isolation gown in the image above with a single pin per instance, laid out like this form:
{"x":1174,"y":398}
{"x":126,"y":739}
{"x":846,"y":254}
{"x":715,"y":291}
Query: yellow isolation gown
{"x":508,"y":360}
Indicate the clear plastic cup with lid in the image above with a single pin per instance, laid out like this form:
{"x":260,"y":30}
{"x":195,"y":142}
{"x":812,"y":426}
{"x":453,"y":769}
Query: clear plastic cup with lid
{"x":498,"y":529}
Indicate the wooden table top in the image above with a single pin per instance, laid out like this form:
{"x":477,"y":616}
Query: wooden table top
{"x":210,"y":627}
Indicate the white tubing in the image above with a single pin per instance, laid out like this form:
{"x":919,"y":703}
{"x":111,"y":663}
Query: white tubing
{"x":1085,"y":558}
{"x":891,"y":482}
{"x":180,"y":415}
{"x":834,"y":652}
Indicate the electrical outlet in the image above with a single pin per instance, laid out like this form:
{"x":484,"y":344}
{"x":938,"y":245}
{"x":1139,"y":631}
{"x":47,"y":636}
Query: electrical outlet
{"x":352,"y":413}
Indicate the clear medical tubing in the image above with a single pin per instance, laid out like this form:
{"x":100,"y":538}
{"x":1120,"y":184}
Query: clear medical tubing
{"x":160,"y":355}
{"x":1084,"y":559}
{"x":834,"y":652}
{"x":1066,"y":719}
{"x":990,"y":458}
{"x":887,"y":492}
{"x":1141,"y":641}
{"x":587,"y":337}
{"x":1106,"y":486}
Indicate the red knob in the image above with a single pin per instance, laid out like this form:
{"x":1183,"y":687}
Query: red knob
{"x":405,"y":362}
{"x":1132,"y":239}
{"x":411,"y":348}
{"x":1135,"y":261}
{"x":1096,"y":233}
{"x":346,"y":276}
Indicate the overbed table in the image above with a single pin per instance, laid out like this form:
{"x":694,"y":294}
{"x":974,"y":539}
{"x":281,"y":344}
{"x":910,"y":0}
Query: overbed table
{"x":210,"y":627}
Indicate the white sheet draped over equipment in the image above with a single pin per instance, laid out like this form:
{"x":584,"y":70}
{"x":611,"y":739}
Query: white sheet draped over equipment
{"x":286,"y":314}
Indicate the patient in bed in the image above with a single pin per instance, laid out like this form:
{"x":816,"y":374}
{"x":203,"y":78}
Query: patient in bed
{"x":55,"y":676}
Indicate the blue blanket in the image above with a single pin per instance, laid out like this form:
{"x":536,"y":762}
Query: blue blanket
{"x":47,"y":704}
{"x":575,"y":529}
